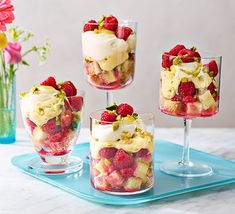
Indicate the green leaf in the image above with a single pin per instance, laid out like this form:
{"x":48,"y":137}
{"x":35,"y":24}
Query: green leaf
{"x":24,"y":63}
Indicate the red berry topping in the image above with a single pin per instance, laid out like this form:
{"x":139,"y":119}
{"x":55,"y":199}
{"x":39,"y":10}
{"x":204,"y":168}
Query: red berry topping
{"x":213,"y":68}
{"x":69,"y":88}
{"x":55,"y":137}
{"x":174,"y":51}
{"x":197,"y":55}
{"x":189,"y":99}
{"x":142,"y":153}
{"x":124,"y":109}
{"x":90,"y":26}
{"x":50,"y":81}
{"x":31,"y":124}
{"x":127,"y":172}
{"x":107,"y":117}
{"x":186,"y":89}
{"x":107,"y":152}
{"x":110,"y":23}
{"x":166,"y":61}
{"x":211,"y":88}
{"x":50,"y":126}
{"x":123,"y":32}
{"x":122,"y":160}
{"x":76,"y":103}
{"x":66,"y":119}
{"x":186,"y":55}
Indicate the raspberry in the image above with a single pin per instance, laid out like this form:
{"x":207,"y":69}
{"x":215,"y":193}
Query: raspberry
{"x":66,"y":119}
{"x":76,"y":103}
{"x":176,"y":98}
{"x":110,"y":23}
{"x":55,"y":137}
{"x":186,"y":89}
{"x":90,"y":26}
{"x":188,"y":99}
{"x":126,"y":173}
{"x":174,"y":51}
{"x":50,"y":126}
{"x":166,"y":61}
{"x":211,"y":88}
{"x":107,"y":117}
{"x":107,"y":152}
{"x":124,"y":109}
{"x":50,"y":81}
{"x":122,"y":160}
{"x":123,"y":32}
{"x":186,"y":55}
{"x":142,"y":153}
{"x":197,"y":55}
{"x":213,"y":68}
{"x":69,"y":88}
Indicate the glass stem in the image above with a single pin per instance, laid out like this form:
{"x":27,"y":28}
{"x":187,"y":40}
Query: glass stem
{"x":109,"y":98}
{"x":185,"y":154}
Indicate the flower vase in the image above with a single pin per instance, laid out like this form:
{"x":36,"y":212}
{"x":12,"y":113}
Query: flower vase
{"x":7,"y":107}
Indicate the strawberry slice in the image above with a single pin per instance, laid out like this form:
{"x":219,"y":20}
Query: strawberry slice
{"x":69,"y":88}
{"x":123,"y":32}
{"x":76,"y":103}
{"x":174,"y":51}
{"x":50,"y":126}
{"x":166,"y":61}
{"x":213,"y":68}
{"x":50,"y":81}
{"x":186,"y":55}
{"x":107,"y":117}
{"x":107,"y":152}
{"x":90,"y":26}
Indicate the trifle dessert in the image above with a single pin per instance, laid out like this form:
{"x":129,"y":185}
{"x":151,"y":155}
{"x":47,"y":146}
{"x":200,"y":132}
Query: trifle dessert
{"x":189,"y":83}
{"x":121,"y":150}
{"x":52,"y":115}
{"x":109,"y":52}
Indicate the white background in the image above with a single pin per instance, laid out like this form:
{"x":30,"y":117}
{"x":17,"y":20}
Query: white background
{"x":207,"y":24}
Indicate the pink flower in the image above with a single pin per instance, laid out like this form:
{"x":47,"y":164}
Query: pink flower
{"x":6,"y":14}
{"x":12,"y":53}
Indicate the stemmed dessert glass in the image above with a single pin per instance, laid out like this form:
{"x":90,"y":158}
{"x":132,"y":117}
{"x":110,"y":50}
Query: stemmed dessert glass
{"x":190,"y":88}
{"x":109,"y":54}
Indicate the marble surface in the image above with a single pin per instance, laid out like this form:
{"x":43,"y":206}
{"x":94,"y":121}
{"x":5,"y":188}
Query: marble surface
{"x":22,"y":194}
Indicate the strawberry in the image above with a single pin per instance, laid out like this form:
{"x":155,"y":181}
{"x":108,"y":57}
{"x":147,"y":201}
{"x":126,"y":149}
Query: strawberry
{"x":107,"y":117}
{"x":67,"y":105}
{"x":107,"y":152}
{"x":213,"y":68}
{"x":66,"y":119}
{"x":197,"y":55}
{"x":90,"y":26}
{"x":55,"y":137}
{"x":166,"y":61}
{"x":174,"y":51}
{"x":127,"y":172}
{"x":186,"y":55}
{"x":76,"y":103}
{"x":50,"y":126}
{"x":176,"y":98}
{"x":115,"y":179}
{"x":122,"y":159}
{"x":50,"y":81}
{"x":110,"y":23}
{"x":189,"y":99}
{"x":124,"y":109}
{"x":211,"y":88}
{"x":142,"y":153}
{"x":186,"y":89}
{"x":31,"y":124}
{"x":69,"y":88}
{"x":123,"y":32}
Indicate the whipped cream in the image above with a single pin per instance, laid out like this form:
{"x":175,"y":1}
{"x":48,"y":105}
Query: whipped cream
{"x":41,"y":104}
{"x":106,"y":133}
{"x":99,"y":46}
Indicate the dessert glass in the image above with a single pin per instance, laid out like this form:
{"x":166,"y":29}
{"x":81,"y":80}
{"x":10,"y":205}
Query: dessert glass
{"x":55,"y":139}
{"x":109,"y":61}
{"x":205,"y":103}
{"x":122,"y":154}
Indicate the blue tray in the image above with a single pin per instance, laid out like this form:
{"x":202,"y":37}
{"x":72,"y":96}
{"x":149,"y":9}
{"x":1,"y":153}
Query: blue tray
{"x":165,"y":185}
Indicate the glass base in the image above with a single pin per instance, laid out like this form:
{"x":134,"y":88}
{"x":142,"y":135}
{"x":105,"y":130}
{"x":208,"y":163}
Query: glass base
{"x":128,"y":193}
{"x":7,"y":140}
{"x":189,"y":170}
{"x":73,"y":164}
